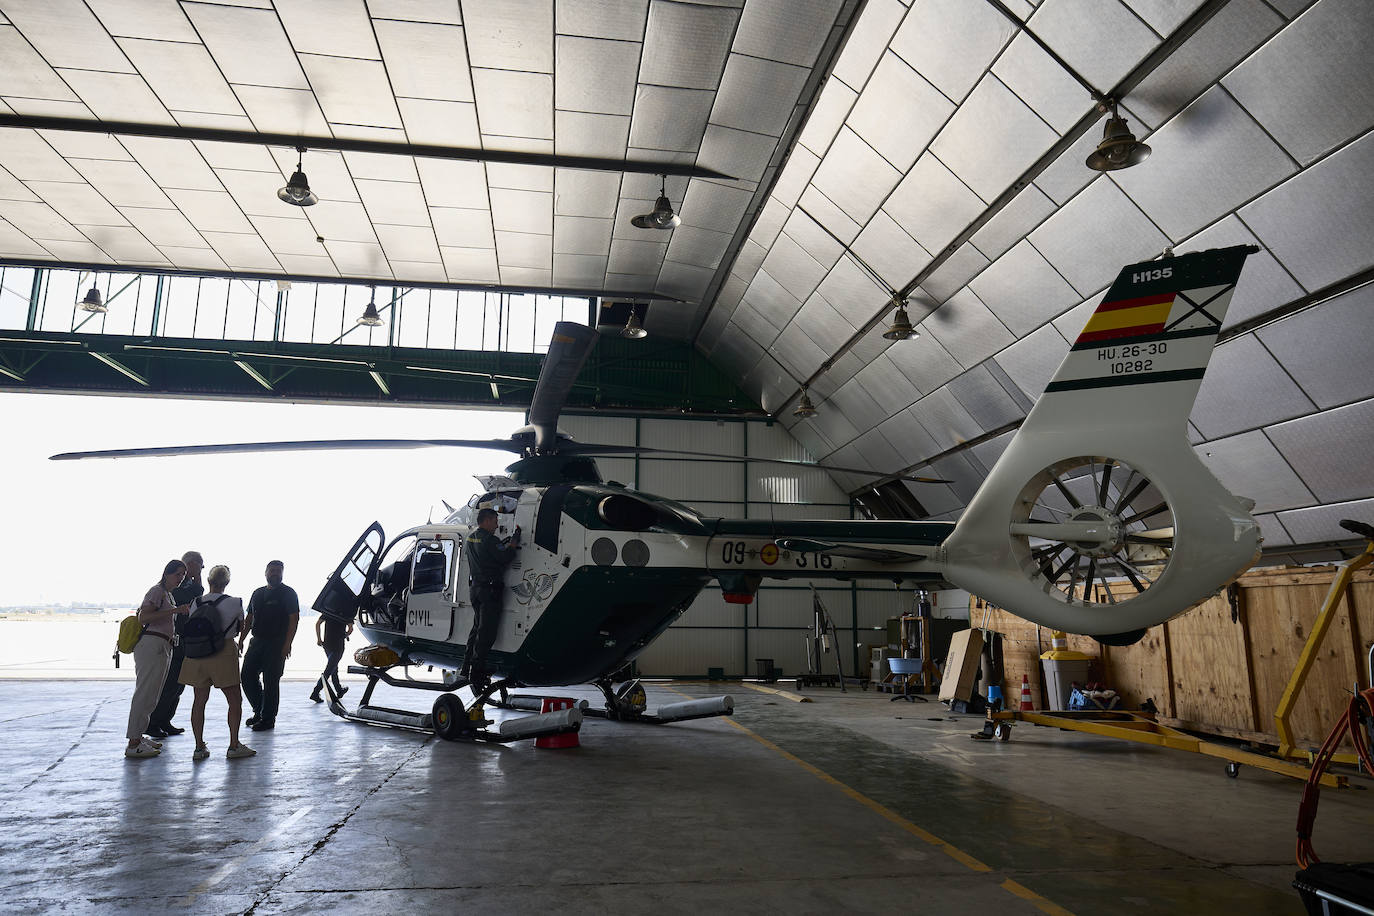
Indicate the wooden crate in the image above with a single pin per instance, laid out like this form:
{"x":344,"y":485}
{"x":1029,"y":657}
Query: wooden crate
{"x":1209,"y":672}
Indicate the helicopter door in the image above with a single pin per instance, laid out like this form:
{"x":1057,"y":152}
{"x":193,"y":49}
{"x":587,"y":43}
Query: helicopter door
{"x":429,"y":609}
{"x":343,"y":591}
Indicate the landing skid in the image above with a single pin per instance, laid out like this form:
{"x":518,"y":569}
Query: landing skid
{"x":450,"y":719}
{"x":629,"y":704}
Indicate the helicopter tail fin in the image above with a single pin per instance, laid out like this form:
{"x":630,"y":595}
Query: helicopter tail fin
{"x":1099,"y":518}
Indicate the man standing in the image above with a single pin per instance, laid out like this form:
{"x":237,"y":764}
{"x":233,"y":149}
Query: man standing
{"x":488,"y":556}
{"x":273,"y":613}
{"x":160,"y":722}
{"x":331,"y":633}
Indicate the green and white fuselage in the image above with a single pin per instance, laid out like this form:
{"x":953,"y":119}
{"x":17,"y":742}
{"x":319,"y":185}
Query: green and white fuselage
{"x":603,"y":570}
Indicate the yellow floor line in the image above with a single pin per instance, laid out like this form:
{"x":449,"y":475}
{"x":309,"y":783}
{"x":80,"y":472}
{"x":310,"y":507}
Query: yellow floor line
{"x":785,"y":694}
{"x":1043,"y":904}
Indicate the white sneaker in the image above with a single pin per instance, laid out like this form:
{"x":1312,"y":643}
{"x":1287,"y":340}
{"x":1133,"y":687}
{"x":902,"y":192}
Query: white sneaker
{"x":142,"y":750}
{"x":145,"y":741}
{"x":239,"y":750}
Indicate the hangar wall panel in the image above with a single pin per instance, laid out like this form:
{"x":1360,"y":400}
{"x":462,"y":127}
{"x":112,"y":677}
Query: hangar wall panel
{"x":787,"y":649}
{"x":609,"y":430}
{"x":693,"y":651}
{"x":693,"y":480}
{"x":710,"y":436}
{"x":800,"y":511}
{"x":710,"y":610}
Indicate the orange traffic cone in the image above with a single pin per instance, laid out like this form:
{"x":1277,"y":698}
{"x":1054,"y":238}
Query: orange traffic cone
{"x":1026,"y":703}
{"x":567,"y":739}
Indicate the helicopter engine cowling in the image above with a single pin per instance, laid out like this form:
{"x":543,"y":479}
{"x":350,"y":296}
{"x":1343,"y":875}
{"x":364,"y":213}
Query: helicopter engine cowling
{"x":626,"y":513}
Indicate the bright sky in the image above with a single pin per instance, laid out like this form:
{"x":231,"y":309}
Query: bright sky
{"x":100,"y":531}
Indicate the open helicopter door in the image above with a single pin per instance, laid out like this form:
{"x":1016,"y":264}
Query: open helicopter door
{"x":429,"y":607}
{"x":343,"y":592}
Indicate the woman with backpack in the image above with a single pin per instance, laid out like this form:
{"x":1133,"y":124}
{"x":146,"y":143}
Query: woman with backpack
{"x":152,"y":654}
{"x":212,"y":660}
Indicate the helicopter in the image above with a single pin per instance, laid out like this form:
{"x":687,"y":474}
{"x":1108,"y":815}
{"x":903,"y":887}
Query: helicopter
{"x":1098,"y":486}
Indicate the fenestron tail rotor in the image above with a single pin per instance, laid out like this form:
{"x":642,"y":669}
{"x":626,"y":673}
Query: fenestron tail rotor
{"x":1085,"y":524}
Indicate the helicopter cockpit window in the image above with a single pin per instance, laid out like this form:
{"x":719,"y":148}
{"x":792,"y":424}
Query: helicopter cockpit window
{"x":433,"y":561}
{"x":500,"y":501}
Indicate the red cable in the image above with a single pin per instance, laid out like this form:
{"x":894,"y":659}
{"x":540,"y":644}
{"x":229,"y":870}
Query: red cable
{"x":1350,"y":721}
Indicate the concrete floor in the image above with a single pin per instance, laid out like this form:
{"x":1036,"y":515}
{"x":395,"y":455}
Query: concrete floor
{"x":847,"y":804}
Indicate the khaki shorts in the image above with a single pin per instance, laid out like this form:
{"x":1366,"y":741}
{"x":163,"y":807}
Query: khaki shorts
{"x":219,"y":670}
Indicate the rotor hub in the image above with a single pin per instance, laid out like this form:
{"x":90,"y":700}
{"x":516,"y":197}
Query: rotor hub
{"x":1110,"y":538}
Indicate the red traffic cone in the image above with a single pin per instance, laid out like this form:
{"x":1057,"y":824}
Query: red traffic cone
{"x":567,"y":739}
{"x":1026,"y":703}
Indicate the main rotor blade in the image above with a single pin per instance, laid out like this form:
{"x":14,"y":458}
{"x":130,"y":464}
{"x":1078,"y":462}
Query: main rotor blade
{"x":306,"y":445}
{"x":592,"y":448}
{"x":567,"y":352}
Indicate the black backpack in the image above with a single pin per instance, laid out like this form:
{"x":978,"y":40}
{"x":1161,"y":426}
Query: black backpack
{"x":200,"y":637}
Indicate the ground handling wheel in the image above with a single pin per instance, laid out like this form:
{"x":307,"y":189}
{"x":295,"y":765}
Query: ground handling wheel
{"x":1002,"y":731}
{"x":450,"y":718}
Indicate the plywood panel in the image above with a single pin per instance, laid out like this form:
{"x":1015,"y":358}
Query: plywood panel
{"x":1140,"y":672}
{"x":1281,"y":610}
{"x":1211,"y":680}
{"x":1362,"y":593}
{"x":1197,"y":670}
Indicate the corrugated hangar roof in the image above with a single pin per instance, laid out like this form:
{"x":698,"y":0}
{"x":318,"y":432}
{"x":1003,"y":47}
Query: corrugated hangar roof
{"x":568,"y":112}
{"x":822,"y":155}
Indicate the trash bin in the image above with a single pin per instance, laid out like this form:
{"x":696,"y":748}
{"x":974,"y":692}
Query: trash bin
{"x":1063,"y":667}
{"x":763,"y":668}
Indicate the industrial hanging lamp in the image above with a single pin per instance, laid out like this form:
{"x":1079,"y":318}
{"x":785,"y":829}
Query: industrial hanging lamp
{"x":901,"y":328}
{"x":805,"y":409}
{"x":1119,"y":148}
{"x":93,"y":302}
{"x":633,"y":329}
{"x":370,"y":318}
{"x":297,"y":192}
{"x":662,"y":216}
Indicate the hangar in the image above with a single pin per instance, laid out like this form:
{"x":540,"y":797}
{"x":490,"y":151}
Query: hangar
{"x":391,"y":202}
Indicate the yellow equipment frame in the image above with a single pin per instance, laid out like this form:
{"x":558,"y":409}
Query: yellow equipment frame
{"x":1340,"y":588}
{"x":1143,"y":729}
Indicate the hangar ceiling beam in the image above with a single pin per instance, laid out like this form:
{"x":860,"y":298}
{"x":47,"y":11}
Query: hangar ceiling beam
{"x":351,"y":145}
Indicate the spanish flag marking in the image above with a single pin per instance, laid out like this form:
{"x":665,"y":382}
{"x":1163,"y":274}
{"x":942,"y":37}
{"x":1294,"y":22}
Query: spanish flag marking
{"x":1128,"y":318}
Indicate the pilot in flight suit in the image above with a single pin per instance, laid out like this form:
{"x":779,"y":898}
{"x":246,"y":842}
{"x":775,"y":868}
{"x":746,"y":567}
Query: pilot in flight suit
{"x":488,"y":556}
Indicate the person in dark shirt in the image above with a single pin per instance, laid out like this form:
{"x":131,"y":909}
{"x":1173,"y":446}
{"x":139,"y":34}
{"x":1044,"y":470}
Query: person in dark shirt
{"x":273,"y":613}
{"x":160,"y":722}
{"x":488,"y":556}
{"x":330,"y":634}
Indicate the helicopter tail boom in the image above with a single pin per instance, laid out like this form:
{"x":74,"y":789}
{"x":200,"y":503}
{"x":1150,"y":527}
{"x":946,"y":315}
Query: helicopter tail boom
{"x":1099,"y":518}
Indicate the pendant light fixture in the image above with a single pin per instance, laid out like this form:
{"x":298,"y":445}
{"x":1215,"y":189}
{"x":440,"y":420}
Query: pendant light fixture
{"x":662,"y":216}
{"x":633,"y":329}
{"x":901,"y":328}
{"x":370,"y":318}
{"x":297,"y":192}
{"x":1119,"y":148}
{"x":93,"y":302}
{"x":805,"y":409}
